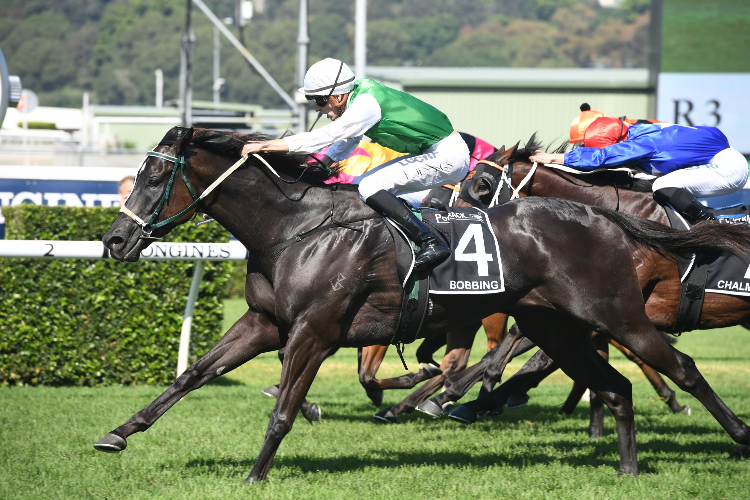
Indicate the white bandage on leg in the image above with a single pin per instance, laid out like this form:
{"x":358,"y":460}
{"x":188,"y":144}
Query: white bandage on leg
{"x":446,"y":162}
{"x":726,"y":173}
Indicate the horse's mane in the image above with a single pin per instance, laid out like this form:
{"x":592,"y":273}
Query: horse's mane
{"x":622,"y":179}
{"x":230,"y":144}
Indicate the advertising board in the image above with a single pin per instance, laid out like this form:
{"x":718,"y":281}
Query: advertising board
{"x":72,"y":186}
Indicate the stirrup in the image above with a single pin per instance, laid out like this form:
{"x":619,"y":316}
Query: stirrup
{"x":439,"y":251}
{"x":696,"y":212}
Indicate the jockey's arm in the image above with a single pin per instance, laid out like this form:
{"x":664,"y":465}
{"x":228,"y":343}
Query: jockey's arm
{"x":540,"y":156}
{"x":359,"y":117}
{"x":584,"y":158}
{"x":622,"y":153}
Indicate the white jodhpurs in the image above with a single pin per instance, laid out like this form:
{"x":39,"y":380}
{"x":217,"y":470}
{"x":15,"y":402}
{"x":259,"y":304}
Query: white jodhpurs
{"x":445,"y":162}
{"x":724,"y":174}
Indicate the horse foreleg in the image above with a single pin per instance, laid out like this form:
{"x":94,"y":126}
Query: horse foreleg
{"x":304,"y":356}
{"x":538,"y":367}
{"x":251,"y":335}
{"x":496,"y":328}
{"x":660,"y":386}
{"x":456,"y":386}
{"x":576,"y":393}
{"x":513,"y":345}
{"x":372,"y":357}
{"x":455,"y":359}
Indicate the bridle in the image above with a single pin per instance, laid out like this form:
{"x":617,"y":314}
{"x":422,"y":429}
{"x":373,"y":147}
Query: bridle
{"x":148,"y":227}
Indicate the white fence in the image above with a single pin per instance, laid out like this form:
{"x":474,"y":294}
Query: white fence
{"x":200,"y":252}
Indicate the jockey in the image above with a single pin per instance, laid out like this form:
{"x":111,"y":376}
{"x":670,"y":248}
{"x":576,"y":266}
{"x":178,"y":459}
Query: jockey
{"x":437,"y":154}
{"x":688,"y":161}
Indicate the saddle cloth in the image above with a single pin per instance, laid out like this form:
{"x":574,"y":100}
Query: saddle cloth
{"x":474,"y":266}
{"x":725,"y":274}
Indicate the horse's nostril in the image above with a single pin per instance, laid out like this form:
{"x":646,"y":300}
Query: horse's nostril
{"x":116,"y":241}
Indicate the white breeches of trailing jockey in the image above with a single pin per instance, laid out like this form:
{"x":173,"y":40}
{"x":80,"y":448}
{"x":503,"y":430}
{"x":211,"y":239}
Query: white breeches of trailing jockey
{"x":724,"y":174}
{"x":445,"y":162}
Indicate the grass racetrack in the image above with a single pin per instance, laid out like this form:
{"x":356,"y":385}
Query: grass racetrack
{"x":206,"y":445}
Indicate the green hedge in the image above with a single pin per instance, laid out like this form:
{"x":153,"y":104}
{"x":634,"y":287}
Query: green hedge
{"x":93,"y":322}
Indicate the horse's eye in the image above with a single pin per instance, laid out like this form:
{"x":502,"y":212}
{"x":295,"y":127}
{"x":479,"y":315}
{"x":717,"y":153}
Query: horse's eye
{"x":153,"y":181}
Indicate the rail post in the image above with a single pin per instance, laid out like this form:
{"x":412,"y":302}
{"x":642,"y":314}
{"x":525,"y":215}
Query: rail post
{"x":187,"y":322}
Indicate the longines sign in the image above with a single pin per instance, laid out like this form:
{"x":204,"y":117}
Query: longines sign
{"x":711,"y":99}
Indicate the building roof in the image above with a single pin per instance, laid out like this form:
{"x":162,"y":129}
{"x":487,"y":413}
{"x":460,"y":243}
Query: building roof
{"x":526,"y":78}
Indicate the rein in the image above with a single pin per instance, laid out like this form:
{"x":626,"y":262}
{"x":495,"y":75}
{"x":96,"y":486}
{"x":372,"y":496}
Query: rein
{"x":148,"y":227}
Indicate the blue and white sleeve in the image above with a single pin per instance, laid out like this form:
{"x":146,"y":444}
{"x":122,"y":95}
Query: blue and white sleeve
{"x":615,"y":155}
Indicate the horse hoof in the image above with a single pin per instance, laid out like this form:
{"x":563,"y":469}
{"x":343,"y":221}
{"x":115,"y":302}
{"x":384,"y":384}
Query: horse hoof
{"x":312,"y":413}
{"x":271,"y":392}
{"x":741,"y":451}
{"x":430,"y":369}
{"x":251,"y":480}
{"x":496,"y":412}
{"x":517,"y":400}
{"x":431,"y":408}
{"x":111,"y":443}
{"x":463,"y":414}
{"x":686,"y":410}
{"x":376,"y":396}
{"x":386,"y":416}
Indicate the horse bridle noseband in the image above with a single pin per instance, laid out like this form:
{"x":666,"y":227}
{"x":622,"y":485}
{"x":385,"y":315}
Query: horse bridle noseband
{"x":148,"y":227}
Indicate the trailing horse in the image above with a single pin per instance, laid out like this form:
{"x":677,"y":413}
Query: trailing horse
{"x":294,"y":291}
{"x":659,"y":275}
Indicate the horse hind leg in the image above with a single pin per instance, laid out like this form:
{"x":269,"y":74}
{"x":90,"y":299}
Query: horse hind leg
{"x":568,"y":343}
{"x":649,"y":346}
{"x":583,"y":364}
{"x":657,"y":382}
{"x":248,"y":337}
{"x":311,"y":411}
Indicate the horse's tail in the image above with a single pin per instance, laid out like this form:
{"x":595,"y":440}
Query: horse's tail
{"x":703,"y":239}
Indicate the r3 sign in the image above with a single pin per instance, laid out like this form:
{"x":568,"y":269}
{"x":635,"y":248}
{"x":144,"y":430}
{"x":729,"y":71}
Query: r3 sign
{"x":686,"y":113}
{"x":708,"y":99}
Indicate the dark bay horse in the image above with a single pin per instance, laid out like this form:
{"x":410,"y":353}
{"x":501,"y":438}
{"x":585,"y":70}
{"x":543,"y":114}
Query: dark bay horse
{"x":556,"y":292}
{"x":659,"y":277}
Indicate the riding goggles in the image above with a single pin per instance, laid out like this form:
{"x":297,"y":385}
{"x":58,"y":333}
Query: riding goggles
{"x":320,"y":100}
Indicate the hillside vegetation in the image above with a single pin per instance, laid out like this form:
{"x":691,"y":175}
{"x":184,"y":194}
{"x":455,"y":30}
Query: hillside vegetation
{"x":110,"y":48}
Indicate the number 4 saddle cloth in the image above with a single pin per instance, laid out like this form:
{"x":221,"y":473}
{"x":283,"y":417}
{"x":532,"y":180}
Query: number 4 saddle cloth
{"x":474,"y":266}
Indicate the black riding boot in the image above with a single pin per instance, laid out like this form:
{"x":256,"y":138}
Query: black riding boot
{"x":432,"y":249}
{"x":685,"y":203}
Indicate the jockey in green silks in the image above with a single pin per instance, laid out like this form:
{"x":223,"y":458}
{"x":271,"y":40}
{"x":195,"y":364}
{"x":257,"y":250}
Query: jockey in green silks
{"x":436,"y":154}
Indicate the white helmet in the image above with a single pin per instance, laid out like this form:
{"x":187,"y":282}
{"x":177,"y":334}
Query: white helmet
{"x":328,"y":77}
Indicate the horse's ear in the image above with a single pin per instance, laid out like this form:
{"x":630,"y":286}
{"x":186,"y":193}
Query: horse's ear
{"x":505,"y":154}
{"x":184,"y":136}
{"x":501,"y":149}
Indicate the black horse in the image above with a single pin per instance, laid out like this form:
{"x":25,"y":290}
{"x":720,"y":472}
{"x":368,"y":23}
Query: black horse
{"x":296,"y":299}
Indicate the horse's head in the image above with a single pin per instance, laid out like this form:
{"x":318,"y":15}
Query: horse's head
{"x":479,"y":187}
{"x":159,"y":194}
